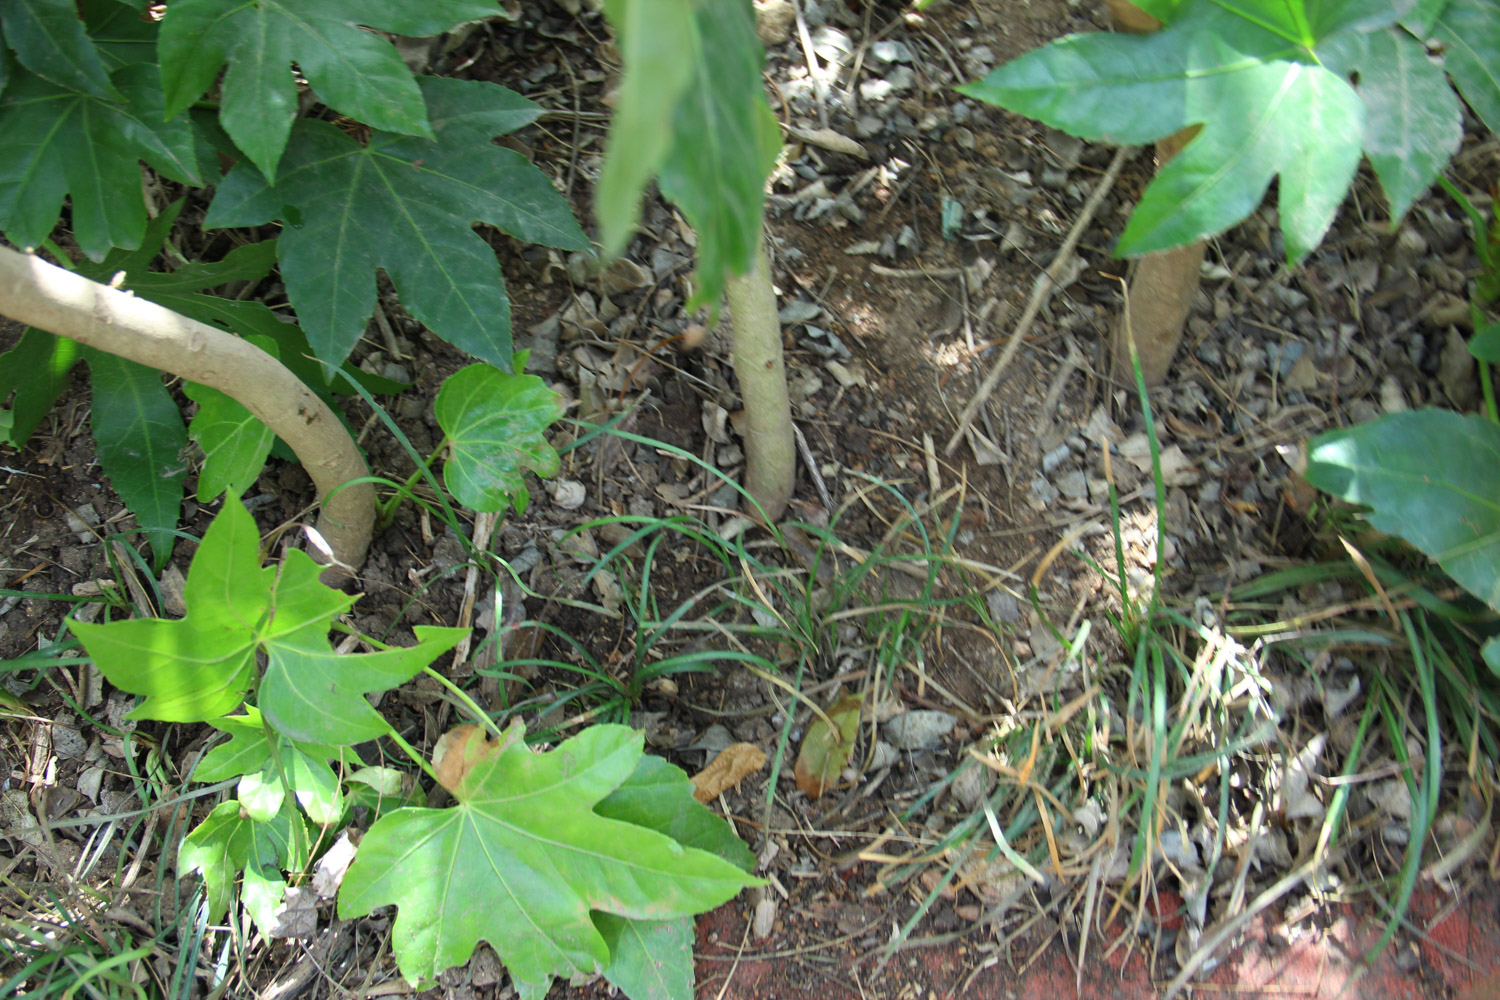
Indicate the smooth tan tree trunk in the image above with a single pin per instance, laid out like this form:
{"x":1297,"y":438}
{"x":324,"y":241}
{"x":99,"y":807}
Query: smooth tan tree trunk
{"x":35,"y":292}
{"x":1162,"y":285}
{"x":770,"y":443}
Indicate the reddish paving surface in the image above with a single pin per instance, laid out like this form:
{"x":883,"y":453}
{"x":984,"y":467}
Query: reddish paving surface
{"x":1457,"y":959}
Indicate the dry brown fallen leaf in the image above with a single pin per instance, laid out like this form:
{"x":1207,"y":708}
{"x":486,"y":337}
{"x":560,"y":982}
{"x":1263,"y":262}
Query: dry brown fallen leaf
{"x":729,"y":768}
{"x":462,"y":748}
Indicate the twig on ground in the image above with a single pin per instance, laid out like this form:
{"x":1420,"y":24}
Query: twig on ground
{"x":820,"y":85}
{"x":812,"y":468}
{"x":1211,"y":942}
{"x":1039,"y":296}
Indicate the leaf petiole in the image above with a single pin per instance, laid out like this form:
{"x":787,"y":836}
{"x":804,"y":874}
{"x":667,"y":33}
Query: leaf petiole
{"x":479,"y":714}
{"x":411,"y":752}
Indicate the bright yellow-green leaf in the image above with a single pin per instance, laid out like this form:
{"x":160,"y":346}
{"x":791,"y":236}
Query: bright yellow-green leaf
{"x":523,"y":860}
{"x":200,"y":667}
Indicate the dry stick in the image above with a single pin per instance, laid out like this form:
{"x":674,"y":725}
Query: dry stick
{"x":35,"y":292}
{"x":1211,"y":940}
{"x":1038,"y":296}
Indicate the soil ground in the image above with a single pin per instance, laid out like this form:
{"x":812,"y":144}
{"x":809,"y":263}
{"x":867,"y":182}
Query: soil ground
{"x":885,"y":348}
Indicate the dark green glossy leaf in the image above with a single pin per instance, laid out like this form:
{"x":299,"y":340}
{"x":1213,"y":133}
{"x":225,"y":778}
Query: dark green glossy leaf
{"x":725,"y":142}
{"x":1470,"y":33}
{"x":1431,"y":477}
{"x":32,"y":375}
{"x":60,"y":143}
{"x":405,"y":205}
{"x":139,"y":433}
{"x":658,"y":42}
{"x":121,"y":35}
{"x":48,"y":39}
{"x":1413,"y":121}
{"x":495,"y":424}
{"x":352,"y":70}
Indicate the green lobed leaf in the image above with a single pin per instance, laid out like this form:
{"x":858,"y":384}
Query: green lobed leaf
{"x":140,"y":438}
{"x":1484,"y":345}
{"x":1327,"y":17}
{"x":134,"y":261}
{"x":249,"y":262}
{"x":659,"y":796}
{"x":352,"y":70}
{"x":311,"y":693}
{"x":494,"y":422}
{"x":228,"y":842}
{"x":245,"y":752}
{"x":32,"y":375}
{"x":1418,"y":20}
{"x":725,"y":142}
{"x":658,"y":44}
{"x":48,"y":38}
{"x":1470,"y":33}
{"x":1431,"y":477}
{"x":521,"y":861}
{"x":1264,"y":111}
{"x":121,"y":36}
{"x":649,"y":959}
{"x":261,"y":794}
{"x":1162,"y":10}
{"x":1413,"y":121}
{"x":60,"y":143}
{"x":249,"y":752}
{"x":405,"y":205}
{"x":235,"y":444}
{"x":198,"y":667}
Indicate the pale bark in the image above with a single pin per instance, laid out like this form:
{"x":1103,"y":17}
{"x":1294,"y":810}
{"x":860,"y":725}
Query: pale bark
{"x":770,"y":445}
{"x":1162,"y":285}
{"x":61,"y":302}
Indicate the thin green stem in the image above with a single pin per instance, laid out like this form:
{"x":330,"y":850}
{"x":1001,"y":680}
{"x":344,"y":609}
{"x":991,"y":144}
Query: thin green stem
{"x":411,"y":752}
{"x":479,"y":714}
{"x":385,"y":512}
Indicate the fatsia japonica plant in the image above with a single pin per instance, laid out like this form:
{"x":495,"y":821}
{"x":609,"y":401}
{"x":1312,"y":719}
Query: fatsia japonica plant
{"x":93,"y":98}
{"x":1299,"y":91}
{"x":301,"y":114}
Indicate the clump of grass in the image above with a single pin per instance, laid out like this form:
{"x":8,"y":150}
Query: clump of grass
{"x":1182,"y":757}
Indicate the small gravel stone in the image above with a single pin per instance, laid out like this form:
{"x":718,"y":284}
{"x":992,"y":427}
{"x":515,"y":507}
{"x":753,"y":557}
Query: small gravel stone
{"x":1055,"y":457}
{"x":901,"y":79}
{"x":798,"y":311}
{"x":1073,"y":485}
{"x":1003,"y":606}
{"x":1042,"y":494}
{"x":918,"y":728}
